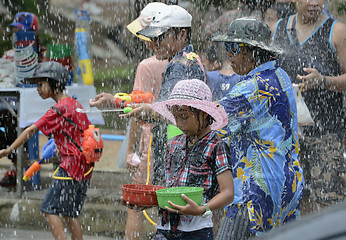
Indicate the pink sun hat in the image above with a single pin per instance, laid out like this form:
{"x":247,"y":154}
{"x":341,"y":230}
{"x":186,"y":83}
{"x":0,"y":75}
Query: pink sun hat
{"x":194,"y":93}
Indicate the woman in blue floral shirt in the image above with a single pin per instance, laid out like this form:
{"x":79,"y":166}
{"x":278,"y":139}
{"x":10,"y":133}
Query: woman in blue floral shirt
{"x":262,"y":132}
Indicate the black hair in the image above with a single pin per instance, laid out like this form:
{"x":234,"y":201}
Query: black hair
{"x":177,"y":30}
{"x":209,"y":120}
{"x":261,"y":56}
{"x":55,"y":86}
{"x":211,"y":54}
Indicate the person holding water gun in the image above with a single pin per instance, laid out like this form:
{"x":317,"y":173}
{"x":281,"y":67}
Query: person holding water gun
{"x":148,"y":80}
{"x":73,"y":173}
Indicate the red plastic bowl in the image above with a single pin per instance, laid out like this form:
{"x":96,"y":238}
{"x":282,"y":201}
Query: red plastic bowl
{"x":140,"y":194}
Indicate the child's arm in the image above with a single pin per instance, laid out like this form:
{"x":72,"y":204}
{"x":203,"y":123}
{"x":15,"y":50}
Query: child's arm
{"x":221,"y":200}
{"x":23,"y":137}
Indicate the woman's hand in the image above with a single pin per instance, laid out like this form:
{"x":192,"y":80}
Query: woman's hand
{"x":103,"y":100}
{"x":191,"y":208}
{"x":311,"y":81}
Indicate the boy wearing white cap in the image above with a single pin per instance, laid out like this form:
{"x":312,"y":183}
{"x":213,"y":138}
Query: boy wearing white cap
{"x":148,"y":79}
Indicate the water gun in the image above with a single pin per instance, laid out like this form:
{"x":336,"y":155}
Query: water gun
{"x":83,"y":55}
{"x":122,"y":100}
{"x":48,"y":151}
{"x":92,"y":144}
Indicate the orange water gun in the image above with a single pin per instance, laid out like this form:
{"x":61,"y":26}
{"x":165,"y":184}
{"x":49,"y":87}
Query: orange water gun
{"x":122,"y":100}
{"x":48,"y":151}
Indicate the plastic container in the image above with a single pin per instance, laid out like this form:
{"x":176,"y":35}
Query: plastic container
{"x":140,"y":194}
{"x":174,"y":195}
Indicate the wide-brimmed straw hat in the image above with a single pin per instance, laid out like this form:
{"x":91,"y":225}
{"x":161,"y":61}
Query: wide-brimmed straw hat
{"x":251,"y":31}
{"x":194,"y":93}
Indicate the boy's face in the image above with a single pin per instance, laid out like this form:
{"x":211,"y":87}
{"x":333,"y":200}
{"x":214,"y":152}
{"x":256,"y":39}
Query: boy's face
{"x":166,"y":46}
{"x":187,"y":120}
{"x":43,"y":88}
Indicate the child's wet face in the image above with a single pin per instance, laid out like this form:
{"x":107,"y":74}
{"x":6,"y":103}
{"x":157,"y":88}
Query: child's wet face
{"x":43,"y":89}
{"x":186,"y":119}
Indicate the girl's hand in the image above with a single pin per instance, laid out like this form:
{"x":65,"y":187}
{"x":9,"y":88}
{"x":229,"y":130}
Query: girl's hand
{"x":141,"y":112}
{"x":130,"y":165}
{"x":191,"y":208}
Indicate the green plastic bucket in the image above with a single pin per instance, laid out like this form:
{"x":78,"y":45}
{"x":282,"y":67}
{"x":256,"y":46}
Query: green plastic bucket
{"x":174,"y":195}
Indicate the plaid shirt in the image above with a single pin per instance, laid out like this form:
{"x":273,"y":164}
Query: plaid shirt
{"x":197,"y":165}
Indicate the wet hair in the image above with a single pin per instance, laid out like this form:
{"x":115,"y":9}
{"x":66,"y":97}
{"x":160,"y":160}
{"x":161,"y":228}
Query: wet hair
{"x":261,"y":5}
{"x":284,"y":10}
{"x":261,"y":56}
{"x":177,"y":30}
{"x":55,"y":86}
{"x":209,"y":119}
{"x":211,"y":54}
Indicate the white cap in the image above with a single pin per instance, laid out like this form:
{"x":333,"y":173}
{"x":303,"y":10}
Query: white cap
{"x":171,"y":16}
{"x":144,"y":19}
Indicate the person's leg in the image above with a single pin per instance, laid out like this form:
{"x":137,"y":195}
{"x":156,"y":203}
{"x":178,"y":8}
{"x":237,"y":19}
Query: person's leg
{"x":237,"y":227}
{"x":56,"y":226}
{"x":74,"y":227}
{"x":134,"y":225}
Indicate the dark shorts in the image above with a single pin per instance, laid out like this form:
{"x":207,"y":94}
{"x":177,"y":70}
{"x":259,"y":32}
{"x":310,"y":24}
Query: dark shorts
{"x":65,"y":197}
{"x":203,"y":234}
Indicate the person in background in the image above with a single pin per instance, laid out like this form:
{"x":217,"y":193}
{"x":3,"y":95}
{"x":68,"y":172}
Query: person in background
{"x":23,"y":21}
{"x":67,"y":192}
{"x":148,"y":79}
{"x":170,"y":34}
{"x":221,"y":76}
{"x":315,"y":60}
{"x":246,"y":8}
{"x":196,"y":158}
{"x":262,"y":132}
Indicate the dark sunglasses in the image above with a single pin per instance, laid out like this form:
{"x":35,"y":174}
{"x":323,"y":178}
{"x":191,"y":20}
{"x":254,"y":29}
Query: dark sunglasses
{"x":234,"y":47}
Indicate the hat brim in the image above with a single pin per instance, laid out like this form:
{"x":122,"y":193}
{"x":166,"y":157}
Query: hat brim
{"x":216,"y":111}
{"x":17,"y":25}
{"x":152,"y":32}
{"x":226,"y":38}
{"x":32,"y":80}
{"x":134,"y":27}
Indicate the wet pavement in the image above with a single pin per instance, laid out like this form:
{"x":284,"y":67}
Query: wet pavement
{"x":19,"y":234}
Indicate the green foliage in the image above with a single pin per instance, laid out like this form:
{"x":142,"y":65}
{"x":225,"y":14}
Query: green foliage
{"x":205,"y":4}
{"x":341,"y":8}
{"x":114,"y":80}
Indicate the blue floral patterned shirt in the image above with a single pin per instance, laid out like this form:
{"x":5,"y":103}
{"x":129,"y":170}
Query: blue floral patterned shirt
{"x":262,"y":132}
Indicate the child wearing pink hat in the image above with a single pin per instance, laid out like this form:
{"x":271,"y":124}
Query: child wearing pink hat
{"x":196,"y":158}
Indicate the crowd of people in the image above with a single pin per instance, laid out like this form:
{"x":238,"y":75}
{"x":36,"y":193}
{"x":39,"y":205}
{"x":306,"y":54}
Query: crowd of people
{"x":238,"y":132}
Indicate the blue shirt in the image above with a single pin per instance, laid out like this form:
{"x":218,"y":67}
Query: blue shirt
{"x":181,"y":67}
{"x":262,"y":132}
{"x":221,"y":84}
